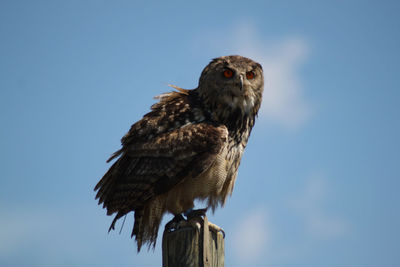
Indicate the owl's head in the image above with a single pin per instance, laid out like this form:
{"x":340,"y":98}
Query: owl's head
{"x":232,"y":83}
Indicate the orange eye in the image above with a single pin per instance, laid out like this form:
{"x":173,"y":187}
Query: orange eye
{"x":250,"y":75}
{"x":228,"y":73}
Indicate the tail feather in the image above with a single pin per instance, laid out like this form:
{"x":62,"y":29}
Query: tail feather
{"x":120,"y":196}
{"x":137,"y":228}
{"x":114,"y":155}
{"x":119,"y":215}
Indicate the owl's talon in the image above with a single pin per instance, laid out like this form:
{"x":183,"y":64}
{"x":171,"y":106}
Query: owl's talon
{"x":191,"y":213}
{"x":186,"y":213}
{"x":175,"y":222}
{"x":215,"y":228}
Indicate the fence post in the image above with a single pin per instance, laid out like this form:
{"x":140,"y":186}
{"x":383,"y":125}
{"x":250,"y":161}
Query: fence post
{"x":190,"y":244}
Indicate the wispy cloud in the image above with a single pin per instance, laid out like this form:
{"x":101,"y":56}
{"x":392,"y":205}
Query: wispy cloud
{"x":64,"y":236}
{"x":291,"y":230}
{"x":45,"y":233}
{"x":284,"y":102}
{"x":251,"y":236}
{"x":13,"y":233}
{"x":319,"y":222}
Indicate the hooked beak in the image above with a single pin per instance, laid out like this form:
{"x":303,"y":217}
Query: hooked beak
{"x":241,"y":82}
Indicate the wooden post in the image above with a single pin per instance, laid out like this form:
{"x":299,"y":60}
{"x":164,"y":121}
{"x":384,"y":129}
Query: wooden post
{"x":190,"y":244}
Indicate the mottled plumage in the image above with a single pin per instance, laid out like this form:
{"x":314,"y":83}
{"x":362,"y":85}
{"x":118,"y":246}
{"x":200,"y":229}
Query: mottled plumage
{"x":188,"y":147}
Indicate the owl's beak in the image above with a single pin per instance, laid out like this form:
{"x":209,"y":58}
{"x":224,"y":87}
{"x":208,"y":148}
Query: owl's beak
{"x":241,"y":82}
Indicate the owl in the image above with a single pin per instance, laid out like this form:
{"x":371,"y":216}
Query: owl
{"x":187,"y":148}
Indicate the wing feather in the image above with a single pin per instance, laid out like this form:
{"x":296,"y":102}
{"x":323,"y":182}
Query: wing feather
{"x":173,"y":142}
{"x":146,"y":169}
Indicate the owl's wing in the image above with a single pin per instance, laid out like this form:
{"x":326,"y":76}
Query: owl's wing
{"x":147,"y":168}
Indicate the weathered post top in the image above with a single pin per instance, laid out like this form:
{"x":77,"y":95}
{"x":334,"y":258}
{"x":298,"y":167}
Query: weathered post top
{"x":193,"y":243}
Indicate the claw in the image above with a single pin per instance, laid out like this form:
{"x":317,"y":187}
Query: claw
{"x":216,"y":229}
{"x":191,"y":213}
{"x":174,"y":223}
{"x":194,"y":219}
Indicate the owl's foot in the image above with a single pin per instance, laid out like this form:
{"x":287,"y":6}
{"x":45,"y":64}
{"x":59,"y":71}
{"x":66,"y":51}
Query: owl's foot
{"x":198,"y":218}
{"x":195,"y":219}
{"x":215,"y":228}
{"x":191,"y":213}
{"x":175,"y":222}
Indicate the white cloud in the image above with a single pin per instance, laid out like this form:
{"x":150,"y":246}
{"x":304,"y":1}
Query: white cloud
{"x":284,"y":102}
{"x":291,"y":230}
{"x":32,"y":230}
{"x":250,"y":236}
{"x":13,"y":232}
{"x":50,"y":235}
{"x":318,"y":222}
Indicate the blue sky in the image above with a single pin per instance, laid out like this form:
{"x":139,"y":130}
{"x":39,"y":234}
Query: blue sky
{"x":318,"y":184}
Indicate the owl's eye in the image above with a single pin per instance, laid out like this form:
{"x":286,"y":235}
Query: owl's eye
{"x":228,"y":73}
{"x":250,"y":75}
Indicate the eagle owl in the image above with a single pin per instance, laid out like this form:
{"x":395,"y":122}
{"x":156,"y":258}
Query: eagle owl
{"x":188,"y":147}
